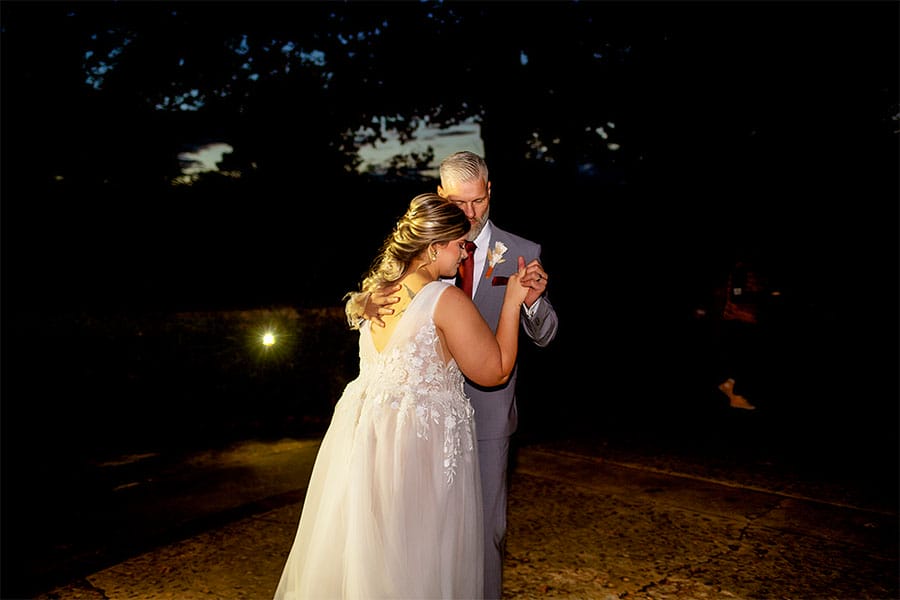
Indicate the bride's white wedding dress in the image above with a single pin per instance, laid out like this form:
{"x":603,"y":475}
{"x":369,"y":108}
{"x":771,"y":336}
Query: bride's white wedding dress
{"x":393,"y":507}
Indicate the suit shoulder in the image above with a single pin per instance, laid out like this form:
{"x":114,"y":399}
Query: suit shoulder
{"x":514,"y":241}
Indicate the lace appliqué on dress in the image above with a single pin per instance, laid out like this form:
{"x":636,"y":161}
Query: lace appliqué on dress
{"x":423,"y":388}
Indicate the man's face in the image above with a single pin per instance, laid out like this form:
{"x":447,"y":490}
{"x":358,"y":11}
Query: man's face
{"x":474,"y":198}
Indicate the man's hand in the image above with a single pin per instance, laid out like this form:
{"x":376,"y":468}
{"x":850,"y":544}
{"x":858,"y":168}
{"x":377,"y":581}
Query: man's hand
{"x":535,"y":279}
{"x":379,"y":303}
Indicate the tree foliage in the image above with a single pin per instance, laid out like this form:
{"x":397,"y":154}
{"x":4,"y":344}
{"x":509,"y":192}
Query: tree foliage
{"x":304,"y":84}
{"x":640,"y":114}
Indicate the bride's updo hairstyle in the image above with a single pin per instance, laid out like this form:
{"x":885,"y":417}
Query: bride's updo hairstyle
{"x":429,"y":219}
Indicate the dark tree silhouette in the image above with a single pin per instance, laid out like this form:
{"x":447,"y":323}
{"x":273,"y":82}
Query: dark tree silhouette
{"x":649,"y":113}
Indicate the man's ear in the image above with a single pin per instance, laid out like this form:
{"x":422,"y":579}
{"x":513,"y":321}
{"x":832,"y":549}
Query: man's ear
{"x":440,"y":192}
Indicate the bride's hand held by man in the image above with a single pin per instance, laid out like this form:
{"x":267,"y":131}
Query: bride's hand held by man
{"x":516,"y":287}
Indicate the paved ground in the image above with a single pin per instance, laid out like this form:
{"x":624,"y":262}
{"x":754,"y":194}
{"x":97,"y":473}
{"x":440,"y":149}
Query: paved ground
{"x":661,"y":490}
{"x":589,"y":521}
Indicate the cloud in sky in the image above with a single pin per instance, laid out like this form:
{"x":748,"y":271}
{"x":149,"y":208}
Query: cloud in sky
{"x":204,"y":158}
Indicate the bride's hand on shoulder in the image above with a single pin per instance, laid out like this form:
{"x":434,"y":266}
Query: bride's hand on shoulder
{"x":515,"y":290}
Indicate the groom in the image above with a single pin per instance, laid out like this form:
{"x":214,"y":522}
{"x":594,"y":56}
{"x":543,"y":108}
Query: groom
{"x":465,"y":182}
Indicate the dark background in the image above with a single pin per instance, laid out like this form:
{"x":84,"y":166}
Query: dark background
{"x":769,"y":126}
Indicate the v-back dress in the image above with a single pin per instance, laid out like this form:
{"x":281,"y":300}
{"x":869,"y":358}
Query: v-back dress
{"x":393,"y":508}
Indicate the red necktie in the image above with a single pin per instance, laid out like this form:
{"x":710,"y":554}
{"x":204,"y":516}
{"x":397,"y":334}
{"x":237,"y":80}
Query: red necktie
{"x":466,"y":270}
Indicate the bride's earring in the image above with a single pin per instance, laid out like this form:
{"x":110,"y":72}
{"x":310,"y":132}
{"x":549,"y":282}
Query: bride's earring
{"x":433,"y":254}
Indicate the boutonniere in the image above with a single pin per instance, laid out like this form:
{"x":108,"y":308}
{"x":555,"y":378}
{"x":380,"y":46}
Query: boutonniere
{"x":495,"y":257}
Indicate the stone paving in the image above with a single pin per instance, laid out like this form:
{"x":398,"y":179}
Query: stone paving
{"x":614,"y":532}
{"x":585,"y":525}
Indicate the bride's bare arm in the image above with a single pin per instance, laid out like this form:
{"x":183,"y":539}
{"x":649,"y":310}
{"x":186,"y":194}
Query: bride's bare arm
{"x":483,"y":357}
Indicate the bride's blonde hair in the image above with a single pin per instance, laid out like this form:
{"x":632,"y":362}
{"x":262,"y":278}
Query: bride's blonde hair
{"x":429,"y":219}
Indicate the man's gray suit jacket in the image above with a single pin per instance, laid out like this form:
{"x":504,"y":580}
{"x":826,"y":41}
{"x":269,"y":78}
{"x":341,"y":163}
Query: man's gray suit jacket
{"x":495,"y":408}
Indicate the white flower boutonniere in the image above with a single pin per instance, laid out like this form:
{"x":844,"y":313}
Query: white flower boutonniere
{"x":495,"y":257}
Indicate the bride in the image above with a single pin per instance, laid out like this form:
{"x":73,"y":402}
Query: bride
{"x":393,"y":507}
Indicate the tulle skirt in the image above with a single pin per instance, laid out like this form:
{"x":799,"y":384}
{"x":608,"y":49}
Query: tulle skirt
{"x":385,"y":516}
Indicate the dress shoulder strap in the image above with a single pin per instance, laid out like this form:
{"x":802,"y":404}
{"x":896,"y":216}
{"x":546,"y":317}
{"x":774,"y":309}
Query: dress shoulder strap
{"x":430,"y":294}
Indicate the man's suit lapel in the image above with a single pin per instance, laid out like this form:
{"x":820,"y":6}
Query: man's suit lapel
{"x":486,"y":289}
